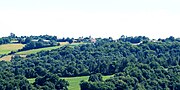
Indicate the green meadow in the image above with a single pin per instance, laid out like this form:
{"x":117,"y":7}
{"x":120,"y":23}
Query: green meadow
{"x":7,"y":48}
{"x":37,"y":50}
{"x":45,"y":49}
{"x":74,"y":81}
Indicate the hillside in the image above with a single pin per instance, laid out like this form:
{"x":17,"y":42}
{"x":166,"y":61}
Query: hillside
{"x":146,"y":65}
{"x":33,"y":51}
{"x":14,"y":47}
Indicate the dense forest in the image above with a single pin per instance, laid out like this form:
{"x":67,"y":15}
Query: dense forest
{"x":137,"y":63}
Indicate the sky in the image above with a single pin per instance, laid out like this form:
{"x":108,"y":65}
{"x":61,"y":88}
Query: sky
{"x":97,"y":18}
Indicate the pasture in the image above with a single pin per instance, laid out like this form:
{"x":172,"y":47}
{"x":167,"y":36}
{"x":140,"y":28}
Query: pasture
{"x":36,"y":50}
{"x":74,"y":81}
{"x":7,"y":48}
{"x":46,"y":48}
{"x":6,"y":58}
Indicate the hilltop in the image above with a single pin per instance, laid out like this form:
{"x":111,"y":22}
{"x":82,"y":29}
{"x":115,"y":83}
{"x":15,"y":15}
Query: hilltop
{"x":25,"y":45}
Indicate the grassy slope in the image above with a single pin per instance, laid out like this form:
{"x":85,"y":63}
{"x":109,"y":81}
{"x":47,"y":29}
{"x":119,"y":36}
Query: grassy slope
{"x":44,"y":49}
{"x":7,"y":48}
{"x":36,"y":50}
{"x":31,"y":80}
{"x":6,"y":58}
{"x":74,"y":81}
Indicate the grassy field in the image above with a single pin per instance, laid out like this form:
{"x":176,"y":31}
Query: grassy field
{"x":6,"y":58}
{"x":36,"y":50}
{"x":7,"y":48}
{"x":74,"y":81}
{"x":63,"y":43}
{"x":41,"y":49}
{"x":45,"y":49}
{"x":31,"y":80}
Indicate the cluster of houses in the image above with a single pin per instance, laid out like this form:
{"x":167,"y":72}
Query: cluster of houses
{"x":87,"y":39}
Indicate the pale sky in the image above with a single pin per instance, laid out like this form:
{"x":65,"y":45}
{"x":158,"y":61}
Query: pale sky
{"x":98,"y":18}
